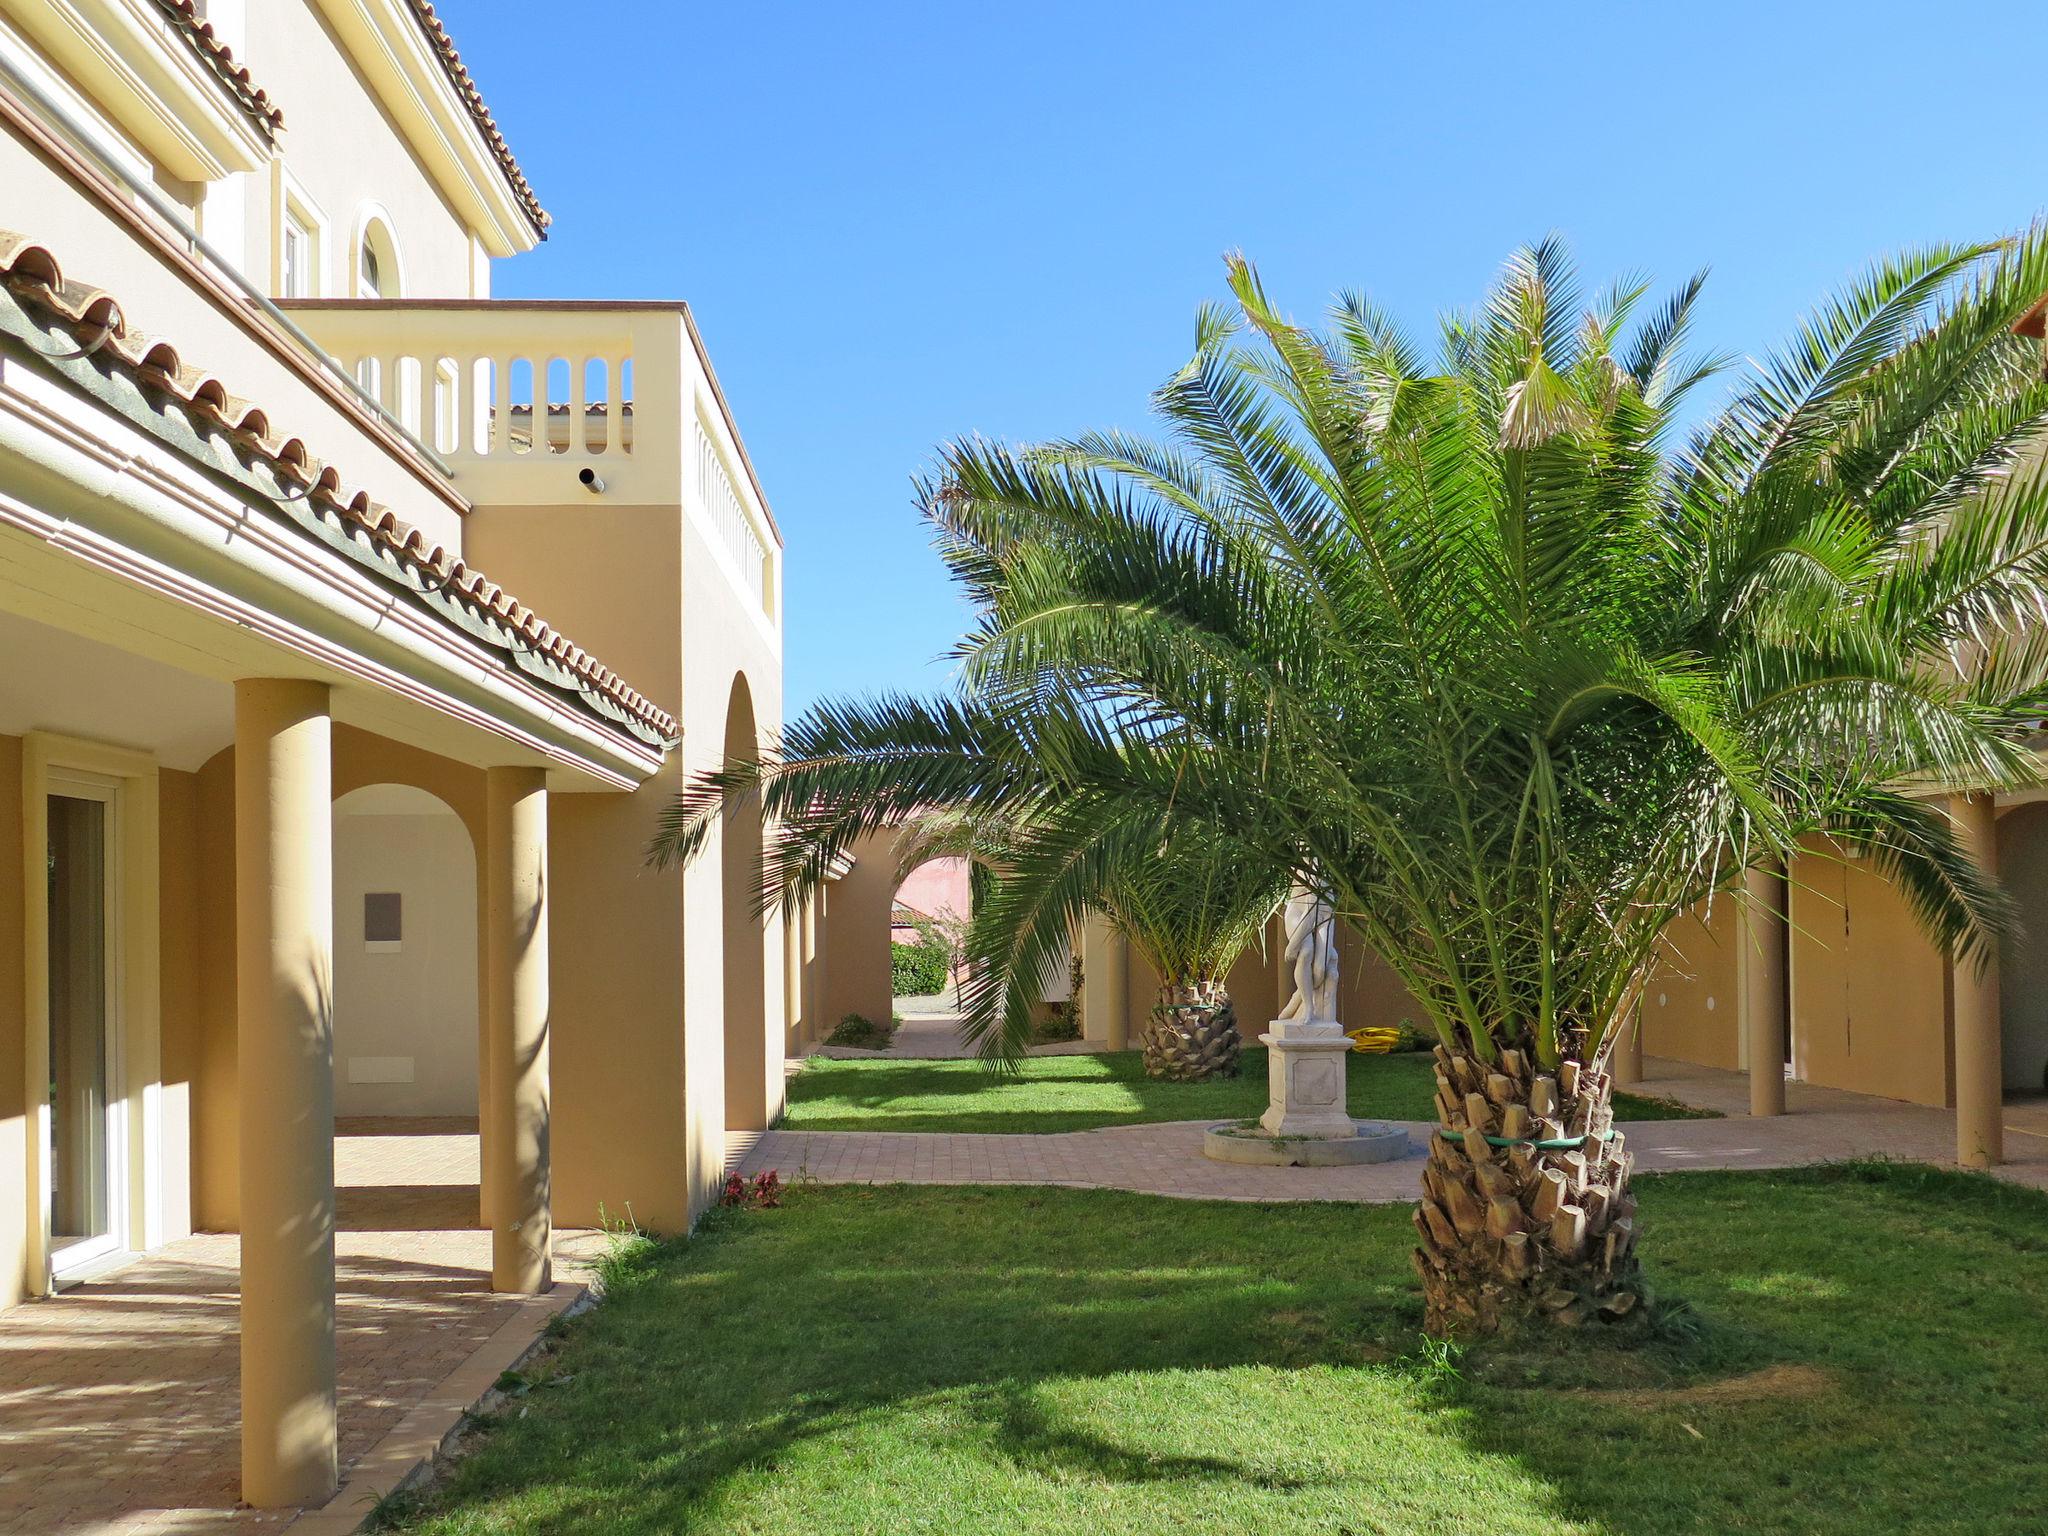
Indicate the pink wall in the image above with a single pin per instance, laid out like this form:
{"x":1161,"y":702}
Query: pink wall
{"x":936,"y":888}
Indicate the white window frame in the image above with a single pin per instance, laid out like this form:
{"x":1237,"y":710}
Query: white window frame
{"x":92,"y":1253}
{"x":126,"y":781}
{"x":372,"y":216}
{"x":291,"y":204}
{"x":298,"y":277}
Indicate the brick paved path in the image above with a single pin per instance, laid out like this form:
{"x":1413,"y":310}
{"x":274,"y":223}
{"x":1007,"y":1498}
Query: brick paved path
{"x":1166,"y":1159}
{"x":120,"y":1398}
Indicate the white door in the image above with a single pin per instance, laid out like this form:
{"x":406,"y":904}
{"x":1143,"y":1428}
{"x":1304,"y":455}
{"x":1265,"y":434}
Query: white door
{"x":86,"y":1154}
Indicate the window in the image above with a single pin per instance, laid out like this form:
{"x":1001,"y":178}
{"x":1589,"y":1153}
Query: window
{"x":85,"y":1192}
{"x":298,"y":259}
{"x":383,"y":919}
{"x":379,"y":269}
{"x":298,"y":239}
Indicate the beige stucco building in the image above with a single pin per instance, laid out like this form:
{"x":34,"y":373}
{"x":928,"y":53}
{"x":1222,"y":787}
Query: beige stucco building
{"x":355,"y":627}
{"x":1822,"y":975}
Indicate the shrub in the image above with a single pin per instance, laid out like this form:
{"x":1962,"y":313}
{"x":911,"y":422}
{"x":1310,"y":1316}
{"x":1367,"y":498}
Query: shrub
{"x":1061,"y":1022}
{"x":862,"y":1033}
{"x":919,"y":970}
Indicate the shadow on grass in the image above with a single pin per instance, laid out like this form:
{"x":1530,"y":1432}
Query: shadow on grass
{"x":1082,"y":1361}
{"x":1859,"y":1349}
{"x":1038,"y":1440}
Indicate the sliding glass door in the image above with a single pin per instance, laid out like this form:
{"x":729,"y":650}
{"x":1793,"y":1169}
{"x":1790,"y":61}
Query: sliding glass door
{"x":84,"y":1157}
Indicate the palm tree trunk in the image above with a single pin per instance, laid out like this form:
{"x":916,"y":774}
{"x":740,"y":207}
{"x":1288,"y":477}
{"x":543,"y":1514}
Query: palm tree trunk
{"x":1528,"y":1230}
{"x":1192,"y":1033}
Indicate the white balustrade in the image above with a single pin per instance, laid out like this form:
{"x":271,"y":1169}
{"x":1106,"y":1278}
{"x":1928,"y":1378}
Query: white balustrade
{"x":736,"y":529}
{"x":534,"y":404}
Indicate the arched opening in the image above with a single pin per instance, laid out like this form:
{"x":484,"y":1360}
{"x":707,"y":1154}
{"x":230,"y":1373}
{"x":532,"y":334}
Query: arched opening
{"x":378,"y":274}
{"x":746,"y":950}
{"x":2023,"y":960}
{"x":375,"y":270}
{"x":405,"y":1011}
{"x":928,"y":915}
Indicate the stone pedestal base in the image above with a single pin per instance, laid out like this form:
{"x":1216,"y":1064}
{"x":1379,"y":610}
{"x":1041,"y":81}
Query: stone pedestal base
{"x":1369,"y":1142}
{"x":1305,"y":1072}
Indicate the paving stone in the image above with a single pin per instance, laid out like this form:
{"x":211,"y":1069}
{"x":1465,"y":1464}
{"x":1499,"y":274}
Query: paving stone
{"x":1823,"y":1125}
{"x":120,"y":1398}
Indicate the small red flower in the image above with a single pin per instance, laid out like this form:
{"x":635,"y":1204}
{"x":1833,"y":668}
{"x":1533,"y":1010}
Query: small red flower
{"x":763,"y":1193}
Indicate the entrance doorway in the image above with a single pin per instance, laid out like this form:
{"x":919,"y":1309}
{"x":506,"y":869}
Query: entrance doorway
{"x":84,"y":1155}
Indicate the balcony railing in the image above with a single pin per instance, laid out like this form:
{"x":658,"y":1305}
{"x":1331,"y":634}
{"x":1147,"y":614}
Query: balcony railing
{"x":537,"y":403}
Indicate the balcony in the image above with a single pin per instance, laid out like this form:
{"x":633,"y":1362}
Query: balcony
{"x":540,"y":403}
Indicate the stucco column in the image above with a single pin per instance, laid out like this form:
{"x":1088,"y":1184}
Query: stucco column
{"x":817,"y":1000}
{"x":1760,"y":964}
{"x":809,"y":961}
{"x":284,"y":957}
{"x":516,"y":966}
{"x":1980,"y":1066}
{"x":793,"y":984}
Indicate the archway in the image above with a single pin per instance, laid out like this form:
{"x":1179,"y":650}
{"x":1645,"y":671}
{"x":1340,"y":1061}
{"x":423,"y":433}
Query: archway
{"x":746,"y":949}
{"x":406,"y":1058}
{"x":928,"y":912}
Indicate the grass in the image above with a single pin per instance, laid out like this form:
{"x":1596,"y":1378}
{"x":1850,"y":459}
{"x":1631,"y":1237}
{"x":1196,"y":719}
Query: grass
{"x":1864,"y":1354}
{"x":1079,"y":1093}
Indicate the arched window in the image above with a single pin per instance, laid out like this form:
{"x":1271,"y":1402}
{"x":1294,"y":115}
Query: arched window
{"x":379,"y":274}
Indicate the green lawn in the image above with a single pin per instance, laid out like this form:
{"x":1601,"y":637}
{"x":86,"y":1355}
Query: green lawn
{"x":1864,"y":1354}
{"x":1079,"y":1093}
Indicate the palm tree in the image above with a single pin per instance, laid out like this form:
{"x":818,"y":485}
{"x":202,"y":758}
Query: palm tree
{"x":1190,"y":904}
{"x":1495,"y":650}
{"x":1190,"y":907}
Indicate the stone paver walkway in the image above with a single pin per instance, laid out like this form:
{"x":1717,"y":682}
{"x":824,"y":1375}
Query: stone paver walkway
{"x":1824,"y":1125}
{"x":120,"y":1398}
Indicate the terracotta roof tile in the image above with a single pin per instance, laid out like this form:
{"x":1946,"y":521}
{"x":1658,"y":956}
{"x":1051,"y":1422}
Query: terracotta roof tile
{"x":199,"y":32}
{"x":466,"y":88}
{"x":97,"y":323}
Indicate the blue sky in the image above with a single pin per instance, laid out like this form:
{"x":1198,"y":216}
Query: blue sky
{"x":903,"y":223}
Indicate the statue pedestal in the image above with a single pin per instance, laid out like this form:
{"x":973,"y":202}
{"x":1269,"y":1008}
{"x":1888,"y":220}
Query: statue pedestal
{"x":1305,"y":1071}
{"x":1305,"y":1124}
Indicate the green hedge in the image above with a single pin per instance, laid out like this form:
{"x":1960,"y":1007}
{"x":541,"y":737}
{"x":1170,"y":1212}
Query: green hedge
{"x":919,"y":969}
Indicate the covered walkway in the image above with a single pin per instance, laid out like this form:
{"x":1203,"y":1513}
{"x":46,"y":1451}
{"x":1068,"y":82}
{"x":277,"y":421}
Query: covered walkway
{"x":139,"y":1369}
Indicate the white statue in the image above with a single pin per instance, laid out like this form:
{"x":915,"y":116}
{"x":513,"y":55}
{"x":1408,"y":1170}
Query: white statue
{"x":1312,"y":950}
